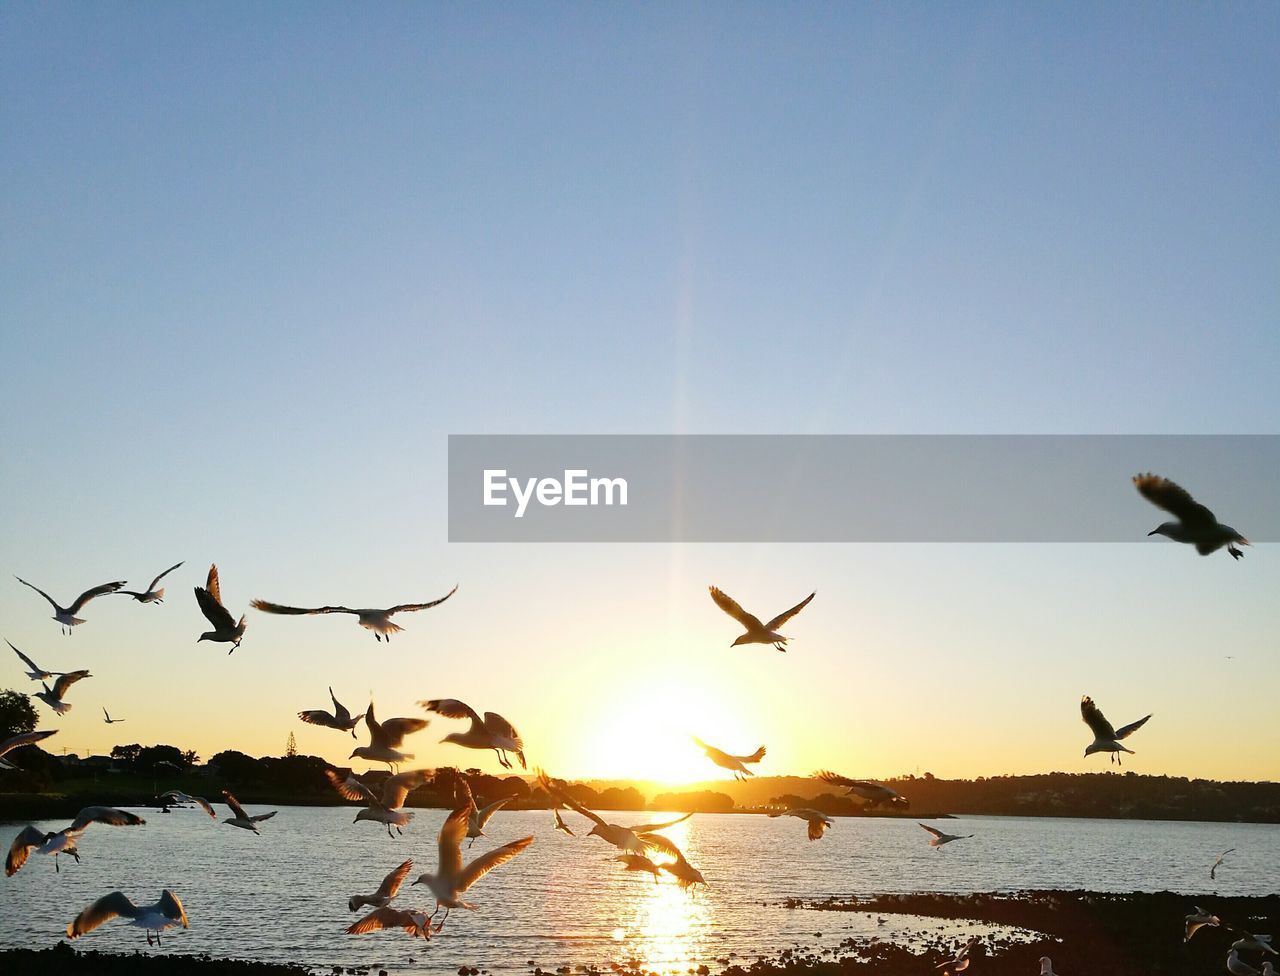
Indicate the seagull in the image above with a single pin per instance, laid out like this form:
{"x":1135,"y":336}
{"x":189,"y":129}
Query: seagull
{"x":242,"y":819}
{"x":385,"y":738}
{"x":1105,"y":737}
{"x":36,"y":673}
{"x":632,"y":840}
{"x":480,"y":816}
{"x":386,"y":891}
{"x":415,"y":923}
{"x":1213,"y":871}
{"x":379,"y":621}
{"x":961,"y":961}
{"x":152,"y":595}
{"x":560,"y":824}
{"x":340,"y":719}
{"x":225,"y":628}
{"x":108,"y":719}
{"x":818,"y":822}
{"x":757,"y":633}
{"x":451,"y":879}
{"x":1252,"y":943}
{"x":686,"y":874}
{"x":64,"y":840}
{"x":165,"y":913}
{"x":638,"y":862}
{"x":66,"y":616}
{"x":1199,"y":920}
{"x":1046,"y":966}
{"x":18,"y":741}
{"x":1237,"y":966}
{"x":53,"y":698}
{"x":385,"y":810}
{"x":735,"y":764}
{"x":874,"y":793}
{"x":174,"y":796}
{"x":491,"y":732}
{"x":939,"y":838}
{"x":1196,"y":524}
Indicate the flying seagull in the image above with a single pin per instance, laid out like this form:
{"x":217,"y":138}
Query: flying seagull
{"x":961,"y":960}
{"x":491,"y":732}
{"x":389,"y":888}
{"x":18,"y":741}
{"x":818,"y":822}
{"x":379,"y":621}
{"x":151,"y":594}
{"x":165,"y":913}
{"x":875,"y":794}
{"x":384,"y":808}
{"x":415,"y":923}
{"x":385,"y":738}
{"x":108,"y":719}
{"x":175,"y":796}
{"x":242,"y":819}
{"x":757,"y":633}
{"x":340,"y":719}
{"x":638,"y":862}
{"x":1196,"y":525}
{"x":1105,"y":737}
{"x":735,"y":764}
{"x":225,"y":628}
{"x":66,"y":616}
{"x":636,"y":839}
{"x":53,"y":698}
{"x":452,"y":879}
{"x":64,"y":841}
{"x":1237,"y":966}
{"x":36,"y":673}
{"x":939,"y":838}
{"x":480,"y":816}
{"x":1252,"y":943}
{"x":1213,"y":871}
{"x":1198,"y":920}
{"x":560,"y":824}
{"x":686,"y":874}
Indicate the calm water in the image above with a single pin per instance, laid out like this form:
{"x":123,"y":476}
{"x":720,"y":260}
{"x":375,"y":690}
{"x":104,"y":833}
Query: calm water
{"x":282,"y":896}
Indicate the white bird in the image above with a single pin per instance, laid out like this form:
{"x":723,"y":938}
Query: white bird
{"x":36,"y":673}
{"x":480,"y":816}
{"x":384,"y":809}
{"x":53,"y":698}
{"x":960,"y":962}
{"x":108,"y":719}
{"x":18,"y":741}
{"x":165,"y":913}
{"x":175,"y":796}
{"x":385,"y":738}
{"x":1237,"y":966}
{"x":340,"y":719}
{"x":151,"y":594}
{"x":491,"y":732}
{"x":389,"y":888}
{"x":939,"y":838}
{"x":757,"y":633}
{"x":1213,"y":871}
{"x":64,"y":841}
{"x":637,"y":839}
{"x":559,"y":821}
{"x":1196,"y":525}
{"x":242,"y":819}
{"x":378,"y":621}
{"x":1198,"y":920}
{"x":876,"y":794}
{"x":818,"y":822}
{"x":1105,"y":737}
{"x":452,"y":879}
{"x":1253,"y":943}
{"x":226,"y":630}
{"x":415,"y":923}
{"x":66,"y":616}
{"x":735,"y":764}
{"x":686,"y":874}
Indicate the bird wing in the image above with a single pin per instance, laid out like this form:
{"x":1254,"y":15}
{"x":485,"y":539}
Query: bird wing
{"x":395,"y":729}
{"x":384,"y":918}
{"x":163,"y":575}
{"x":714,"y":754}
{"x":449,"y":841}
{"x":650,"y":828}
{"x":349,"y":787}
{"x":486,"y":813}
{"x":496,"y":725}
{"x":835,"y":779}
{"x":1128,"y":730}
{"x":545,"y":782}
{"x":1174,"y":499}
{"x":936,"y":833}
{"x":264,"y":816}
{"x":407,"y":607}
{"x":27,"y":738}
{"x":52,"y":601}
{"x":340,"y":711}
{"x":212,"y":608}
{"x":396,"y":789}
{"x":317,"y":716}
{"x":26,"y":660}
{"x":816,"y":829}
{"x":212,"y":583}
{"x":730,"y":606}
{"x":452,"y":708}
{"x":205,"y":805}
{"x":268,"y":607}
{"x":660,"y":843}
{"x":234,"y":804}
{"x":786,"y":615}
{"x":1094,"y":718}
{"x":67,"y":680}
{"x":20,"y":849}
{"x":485,"y":863}
{"x":170,"y":906}
{"x":392,"y":882}
{"x":104,"y":815}
{"x":103,"y":910}
{"x":89,"y":594}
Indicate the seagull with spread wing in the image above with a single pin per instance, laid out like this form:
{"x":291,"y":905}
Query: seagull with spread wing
{"x":18,"y":741}
{"x":960,"y":962}
{"x":378,"y":621}
{"x":226,"y":630}
{"x":1198,"y":920}
{"x":53,"y":696}
{"x":939,"y":839}
{"x":385,"y":738}
{"x":1213,"y":871}
{"x":389,"y":888}
{"x":176,"y":797}
{"x":638,"y":862}
{"x":686,"y":874}
{"x":241,"y":819}
{"x":165,"y":913}
{"x":64,"y":841}
{"x":1196,"y":525}
{"x":107,"y":719}
{"x":735,"y":764}
{"x":415,"y":923}
{"x":559,"y":821}
{"x":1105,"y":737}
{"x":491,"y":732}
{"x":151,"y":594}
{"x":876,"y":794}
{"x":36,"y":673}
{"x":757,"y":633}
{"x":66,"y":616}
{"x":340,"y":719}
{"x":480,"y":816}
{"x":637,"y":839}
{"x":1248,"y":942}
{"x":383,"y":808}
{"x":818,"y":822}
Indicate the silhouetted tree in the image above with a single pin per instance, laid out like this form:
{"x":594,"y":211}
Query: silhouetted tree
{"x":128,"y":755}
{"x":17,"y":714}
{"x":291,"y":747}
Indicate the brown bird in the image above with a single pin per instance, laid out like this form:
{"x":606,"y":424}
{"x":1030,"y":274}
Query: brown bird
{"x":379,"y":621}
{"x":757,"y":633}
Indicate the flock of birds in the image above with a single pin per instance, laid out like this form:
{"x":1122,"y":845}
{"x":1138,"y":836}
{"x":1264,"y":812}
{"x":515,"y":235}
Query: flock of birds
{"x":641,"y":847}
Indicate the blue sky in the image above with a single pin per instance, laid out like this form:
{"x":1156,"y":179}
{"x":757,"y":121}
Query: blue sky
{"x":256,"y":263}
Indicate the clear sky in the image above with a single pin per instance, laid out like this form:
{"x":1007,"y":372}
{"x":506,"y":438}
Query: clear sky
{"x":258,"y":261}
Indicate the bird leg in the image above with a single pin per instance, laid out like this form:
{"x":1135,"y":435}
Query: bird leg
{"x":1235,"y":553}
{"x":779,"y":646}
{"x":472,"y":844}
{"x":148,"y":937}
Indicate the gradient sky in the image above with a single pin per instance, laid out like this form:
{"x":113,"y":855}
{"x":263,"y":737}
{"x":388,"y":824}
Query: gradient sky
{"x":258,"y":261}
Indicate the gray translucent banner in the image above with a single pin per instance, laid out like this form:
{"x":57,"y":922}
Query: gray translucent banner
{"x":848,"y":488}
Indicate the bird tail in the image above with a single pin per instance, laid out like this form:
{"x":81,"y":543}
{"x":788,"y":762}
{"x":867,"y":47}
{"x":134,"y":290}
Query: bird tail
{"x":159,"y":594}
